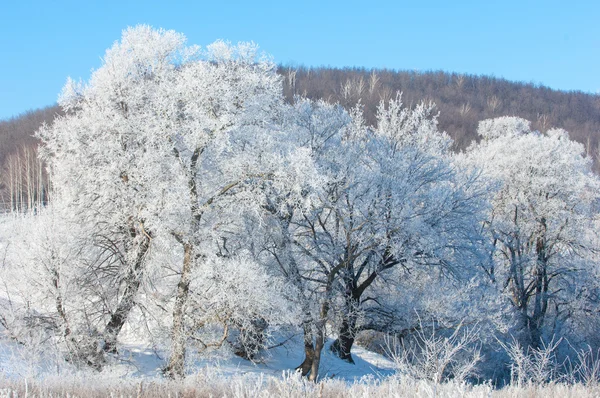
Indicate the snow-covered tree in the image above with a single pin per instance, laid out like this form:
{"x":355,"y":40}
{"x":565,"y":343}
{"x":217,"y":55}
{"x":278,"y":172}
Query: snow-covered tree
{"x":105,"y":160}
{"x":541,"y":221}
{"x":42,"y":309}
{"x":391,"y":198}
{"x":223,"y":145}
{"x":422,"y":211}
{"x":169,"y":145}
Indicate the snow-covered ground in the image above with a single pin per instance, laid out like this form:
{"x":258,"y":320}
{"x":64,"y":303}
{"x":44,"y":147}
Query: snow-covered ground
{"x":219,"y":374}
{"x":140,"y":361}
{"x":137,"y":374}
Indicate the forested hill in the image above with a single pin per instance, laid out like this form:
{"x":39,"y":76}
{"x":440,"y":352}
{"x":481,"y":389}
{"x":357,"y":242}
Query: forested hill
{"x":17,"y":133}
{"x":462,"y":100}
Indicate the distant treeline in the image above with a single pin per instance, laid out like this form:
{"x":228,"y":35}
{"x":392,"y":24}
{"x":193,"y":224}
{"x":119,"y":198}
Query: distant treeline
{"x":23,"y":179}
{"x":17,"y":132}
{"x":462,"y":101}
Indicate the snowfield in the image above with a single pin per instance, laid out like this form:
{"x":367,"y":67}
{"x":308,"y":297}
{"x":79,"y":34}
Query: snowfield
{"x":138,"y":361}
{"x":136,"y":372}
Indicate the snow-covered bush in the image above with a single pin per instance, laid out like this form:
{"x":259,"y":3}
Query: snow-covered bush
{"x":436,"y":356}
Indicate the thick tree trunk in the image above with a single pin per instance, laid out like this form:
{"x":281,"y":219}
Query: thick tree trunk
{"x":319,"y":342}
{"x":347,"y":332}
{"x":309,"y":351}
{"x":540,"y":285}
{"x":535,"y":335}
{"x":541,"y":290}
{"x":132,"y":285}
{"x":175,"y":367}
{"x":343,"y":344}
{"x":312,"y":352}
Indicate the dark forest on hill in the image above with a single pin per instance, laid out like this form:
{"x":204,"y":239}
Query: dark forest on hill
{"x":462,"y":100}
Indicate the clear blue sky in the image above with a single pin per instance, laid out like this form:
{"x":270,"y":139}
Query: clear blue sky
{"x":555,"y":43}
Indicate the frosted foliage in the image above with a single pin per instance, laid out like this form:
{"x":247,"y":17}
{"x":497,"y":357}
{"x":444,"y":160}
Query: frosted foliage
{"x":318,"y":125}
{"x":226,"y":295}
{"x":99,"y":154}
{"x":221,"y":51}
{"x":503,"y":126}
{"x":542,"y":176}
{"x":391,"y":199}
{"x":143,"y":53}
{"x":70,"y":94}
{"x":151,"y":97}
{"x":560,"y":134}
{"x":159,"y":157}
{"x":415,"y":127}
{"x":40,"y":306}
{"x":541,"y":221}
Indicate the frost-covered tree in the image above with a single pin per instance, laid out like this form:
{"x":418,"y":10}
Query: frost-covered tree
{"x":224,"y":148}
{"x":540,"y":221}
{"x":40,"y":308}
{"x":422,"y":212}
{"x":164,"y":153}
{"x":390,"y":199}
{"x":105,"y":161}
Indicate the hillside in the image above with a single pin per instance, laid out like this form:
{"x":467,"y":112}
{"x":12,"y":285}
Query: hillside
{"x":462,"y":100}
{"x":18,"y":131}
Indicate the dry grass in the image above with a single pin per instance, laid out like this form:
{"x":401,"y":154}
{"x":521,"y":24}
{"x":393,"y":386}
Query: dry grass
{"x":210,"y":384}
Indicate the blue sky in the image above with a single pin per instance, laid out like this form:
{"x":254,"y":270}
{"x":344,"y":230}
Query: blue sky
{"x":555,"y":43}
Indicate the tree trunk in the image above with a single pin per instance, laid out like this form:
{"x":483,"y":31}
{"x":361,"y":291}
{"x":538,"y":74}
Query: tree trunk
{"x":309,"y":351}
{"x":343,"y":344}
{"x":175,"y":367}
{"x":319,"y":342}
{"x":535,"y":335}
{"x":132,"y":284}
{"x":540,"y":304}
